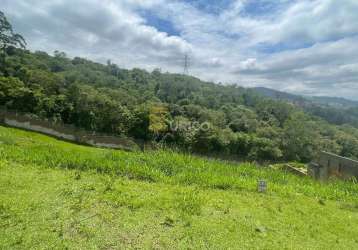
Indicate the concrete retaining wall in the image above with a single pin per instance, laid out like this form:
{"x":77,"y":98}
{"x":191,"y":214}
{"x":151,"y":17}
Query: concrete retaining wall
{"x":330,"y":165}
{"x":49,"y":131}
{"x":66,"y":132}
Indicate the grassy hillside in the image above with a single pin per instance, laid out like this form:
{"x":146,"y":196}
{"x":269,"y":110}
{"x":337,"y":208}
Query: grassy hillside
{"x":56,"y":195}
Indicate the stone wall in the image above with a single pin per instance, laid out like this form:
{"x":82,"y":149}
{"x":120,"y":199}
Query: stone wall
{"x":65,"y":132}
{"x":330,"y":165}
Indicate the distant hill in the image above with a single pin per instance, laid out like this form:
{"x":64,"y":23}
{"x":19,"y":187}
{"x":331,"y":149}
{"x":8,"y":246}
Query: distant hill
{"x":335,"y":110}
{"x":278,"y":95}
{"x":337,"y":102}
{"x":334,"y":101}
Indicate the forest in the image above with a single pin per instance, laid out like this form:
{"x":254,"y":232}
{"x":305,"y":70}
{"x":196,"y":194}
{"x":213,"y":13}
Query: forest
{"x":176,"y":110}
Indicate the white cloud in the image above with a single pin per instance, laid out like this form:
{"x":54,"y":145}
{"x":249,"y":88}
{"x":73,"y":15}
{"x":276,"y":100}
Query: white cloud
{"x":96,"y":29}
{"x":317,"y":21}
{"x":323,"y":67}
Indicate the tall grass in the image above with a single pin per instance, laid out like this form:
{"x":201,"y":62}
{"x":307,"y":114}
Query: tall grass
{"x":163,"y":166}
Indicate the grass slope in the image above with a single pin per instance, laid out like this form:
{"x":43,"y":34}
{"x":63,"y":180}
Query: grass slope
{"x":56,"y":195}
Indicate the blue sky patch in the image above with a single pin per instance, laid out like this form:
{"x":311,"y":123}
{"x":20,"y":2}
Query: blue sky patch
{"x":256,"y":8}
{"x":214,"y":7}
{"x":159,"y":23}
{"x":276,"y":48}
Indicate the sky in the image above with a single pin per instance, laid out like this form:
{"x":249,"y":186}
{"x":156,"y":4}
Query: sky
{"x":307,"y":47}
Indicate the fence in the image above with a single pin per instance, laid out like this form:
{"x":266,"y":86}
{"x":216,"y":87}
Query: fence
{"x":66,"y":132}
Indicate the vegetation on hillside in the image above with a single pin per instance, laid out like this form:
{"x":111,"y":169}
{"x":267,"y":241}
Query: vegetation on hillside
{"x":335,"y":110}
{"x":58,"y":195}
{"x":107,"y":99}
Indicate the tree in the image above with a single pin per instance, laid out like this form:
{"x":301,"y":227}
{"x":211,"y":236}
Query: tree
{"x":265,"y":149}
{"x":7,"y":39}
{"x":15,"y":95}
{"x":158,"y":116}
{"x":7,"y":35}
{"x":301,"y":138}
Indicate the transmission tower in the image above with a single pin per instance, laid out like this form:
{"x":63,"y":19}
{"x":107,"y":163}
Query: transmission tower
{"x":186,"y":64}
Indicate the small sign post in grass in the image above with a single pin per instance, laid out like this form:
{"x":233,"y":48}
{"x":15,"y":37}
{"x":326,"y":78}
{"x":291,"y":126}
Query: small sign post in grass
{"x":262,"y":186}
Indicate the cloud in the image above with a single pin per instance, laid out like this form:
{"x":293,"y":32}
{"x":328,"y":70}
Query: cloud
{"x":302,"y":46}
{"x":95,"y":29}
{"x":330,"y":68}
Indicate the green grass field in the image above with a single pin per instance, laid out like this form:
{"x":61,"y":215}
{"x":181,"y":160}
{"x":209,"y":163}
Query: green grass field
{"x":57,"y":195}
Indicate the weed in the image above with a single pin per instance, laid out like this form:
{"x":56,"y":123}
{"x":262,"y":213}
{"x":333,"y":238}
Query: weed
{"x":189,"y":202}
{"x":7,"y":140}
